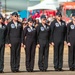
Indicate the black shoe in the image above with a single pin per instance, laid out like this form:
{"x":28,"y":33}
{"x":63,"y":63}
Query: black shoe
{"x":45,"y":70}
{"x":1,"y":72}
{"x":42,"y":70}
{"x":28,"y":70}
{"x":17,"y":70}
{"x":71,"y":69}
{"x":13,"y":71}
{"x":56,"y":69}
{"x":60,"y":69}
{"x":31,"y":70}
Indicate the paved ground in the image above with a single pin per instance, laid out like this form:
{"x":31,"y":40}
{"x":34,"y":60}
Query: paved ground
{"x":50,"y":71}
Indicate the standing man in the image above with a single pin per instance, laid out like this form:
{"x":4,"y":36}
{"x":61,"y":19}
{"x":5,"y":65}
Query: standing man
{"x":14,"y":41}
{"x":71,"y":42}
{"x":3,"y":32}
{"x":43,"y":33}
{"x":58,"y":36}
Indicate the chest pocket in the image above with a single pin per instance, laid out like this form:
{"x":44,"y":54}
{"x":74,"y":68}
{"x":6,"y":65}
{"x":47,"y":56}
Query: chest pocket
{"x":72,"y":27}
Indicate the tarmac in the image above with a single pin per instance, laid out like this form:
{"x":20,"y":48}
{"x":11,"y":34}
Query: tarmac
{"x":50,"y":71}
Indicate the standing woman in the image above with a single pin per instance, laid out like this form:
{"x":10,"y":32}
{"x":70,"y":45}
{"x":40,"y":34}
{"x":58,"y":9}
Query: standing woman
{"x":3,"y":32}
{"x":29,"y":38}
{"x":71,"y":42}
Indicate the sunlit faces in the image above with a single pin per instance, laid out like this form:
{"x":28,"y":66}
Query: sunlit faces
{"x":15,"y":17}
{"x":30,"y":23}
{"x":43,"y":20}
{"x":73,"y":17}
{"x":59,"y":17}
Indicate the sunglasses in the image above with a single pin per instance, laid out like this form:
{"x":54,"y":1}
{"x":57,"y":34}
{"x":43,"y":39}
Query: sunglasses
{"x":16,"y":16}
{"x":59,"y":16}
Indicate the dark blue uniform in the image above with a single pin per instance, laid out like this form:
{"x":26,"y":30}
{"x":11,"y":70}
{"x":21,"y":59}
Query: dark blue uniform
{"x":3,"y":33}
{"x":14,"y":36}
{"x":43,"y":34}
{"x":29,"y":39}
{"x":71,"y":40}
{"x":58,"y":36}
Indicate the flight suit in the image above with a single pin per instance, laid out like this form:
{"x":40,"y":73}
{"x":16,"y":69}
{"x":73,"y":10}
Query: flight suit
{"x":14,"y":36}
{"x":43,"y":34}
{"x":29,"y":40}
{"x":71,"y":40}
{"x":58,"y":36}
{"x":3,"y":33}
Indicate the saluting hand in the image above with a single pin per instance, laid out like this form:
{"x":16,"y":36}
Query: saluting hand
{"x":22,"y":45}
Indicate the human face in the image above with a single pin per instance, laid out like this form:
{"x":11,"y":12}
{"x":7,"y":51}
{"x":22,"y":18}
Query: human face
{"x":43,"y":20}
{"x":30,"y":23}
{"x":15,"y":17}
{"x":73,"y":18}
{"x":58,"y":17}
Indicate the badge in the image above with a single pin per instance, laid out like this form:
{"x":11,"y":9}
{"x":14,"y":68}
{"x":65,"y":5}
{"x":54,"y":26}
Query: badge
{"x":62,"y":23}
{"x":72,"y":26}
{"x":47,"y":27}
{"x":56,"y":24}
{"x":19,"y":24}
{"x":29,"y":30}
{"x":3,"y":27}
{"x":34,"y":29}
{"x":42,"y":29}
{"x":12,"y":26}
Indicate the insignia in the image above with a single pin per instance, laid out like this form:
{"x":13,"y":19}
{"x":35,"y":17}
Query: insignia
{"x":47,"y":27}
{"x":62,"y":23}
{"x":72,"y":26}
{"x":29,"y":30}
{"x":12,"y":26}
{"x":42,"y":28}
{"x":3,"y":27}
{"x":19,"y":24}
{"x":56,"y":24}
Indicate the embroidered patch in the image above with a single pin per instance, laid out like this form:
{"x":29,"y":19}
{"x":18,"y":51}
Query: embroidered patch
{"x":72,"y":26}
{"x":29,"y":30}
{"x":12,"y":26}
{"x":19,"y":24}
{"x":62,"y":23}
{"x":47,"y":27}
{"x":3,"y":27}
{"x":56,"y":24}
{"x":42,"y":29}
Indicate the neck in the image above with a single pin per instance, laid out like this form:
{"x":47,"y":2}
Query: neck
{"x":14,"y":21}
{"x":58,"y":20}
{"x":74,"y":22}
{"x":0,"y":23}
{"x":43,"y":24}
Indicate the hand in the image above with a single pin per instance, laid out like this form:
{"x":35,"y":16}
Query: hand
{"x":52,"y":43}
{"x":38,"y":45}
{"x":69,"y":44}
{"x":65,"y":42}
{"x":22,"y":45}
{"x":6,"y":45}
{"x":9,"y":45}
